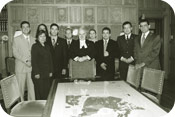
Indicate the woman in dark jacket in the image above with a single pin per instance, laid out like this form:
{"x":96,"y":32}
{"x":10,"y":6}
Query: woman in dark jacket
{"x":41,"y":66}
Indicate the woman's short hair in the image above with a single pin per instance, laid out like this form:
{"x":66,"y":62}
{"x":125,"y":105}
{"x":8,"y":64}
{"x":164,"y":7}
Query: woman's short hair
{"x":40,"y":32}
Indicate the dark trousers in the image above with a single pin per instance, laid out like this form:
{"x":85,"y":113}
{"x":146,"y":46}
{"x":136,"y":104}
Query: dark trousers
{"x":123,"y":69}
{"x":42,"y":88}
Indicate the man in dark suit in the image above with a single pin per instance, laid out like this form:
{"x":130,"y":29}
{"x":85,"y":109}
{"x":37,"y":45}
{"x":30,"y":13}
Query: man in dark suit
{"x":69,"y":41}
{"x":126,"y":49}
{"x":147,"y":47}
{"x":82,"y":49}
{"x":58,"y":51}
{"x":106,"y":51}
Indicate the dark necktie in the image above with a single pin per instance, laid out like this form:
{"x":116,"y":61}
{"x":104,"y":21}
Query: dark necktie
{"x":127,"y":37}
{"x":68,"y":43}
{"x":53,"y":42}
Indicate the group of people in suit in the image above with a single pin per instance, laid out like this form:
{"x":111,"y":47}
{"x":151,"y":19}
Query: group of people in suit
{"x":39,"y":61}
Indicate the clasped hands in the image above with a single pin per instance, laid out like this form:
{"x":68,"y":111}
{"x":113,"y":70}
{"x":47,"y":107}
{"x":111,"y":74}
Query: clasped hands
{"x":81,"y":59}
{"x":127,"y":60}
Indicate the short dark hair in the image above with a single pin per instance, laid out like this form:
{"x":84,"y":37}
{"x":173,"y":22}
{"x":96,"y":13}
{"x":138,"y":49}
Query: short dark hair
{"x":24,"y":22}
{"x":127,"y":22}
{"x":144,"y":20}
{"x":106,"y":28}
{"x":92,"y":30}
{"x":54,"y":24}
{"x":40,"y":32}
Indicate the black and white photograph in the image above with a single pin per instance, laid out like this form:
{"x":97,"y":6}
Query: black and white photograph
{"x":87,"y":58}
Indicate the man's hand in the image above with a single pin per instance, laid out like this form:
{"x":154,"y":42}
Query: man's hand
{"x":37,"y":76}
{"x":103,"y":66}
{"x":123,"y":59}
{"x":28,"y":63}
{"x":63,"y":71}
{"x":50,"y":74}
{"x":129,"y":60}
{"x":76,"y":58}
{"x":139,"y":65}
{"x":106,"y":53}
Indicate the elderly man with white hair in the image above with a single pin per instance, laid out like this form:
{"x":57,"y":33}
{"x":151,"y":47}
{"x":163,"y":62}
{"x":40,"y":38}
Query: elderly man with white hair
{"x":82,"y":49}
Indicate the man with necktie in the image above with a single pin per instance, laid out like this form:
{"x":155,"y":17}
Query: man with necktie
{"x":82,"y":49}
{"x":69,"y":40}
{"x":126,"y":49}
{"x":22,"y":52}
{"x":58,"y":52}
{"x":147,"y":47}
{"x":106,"y":51}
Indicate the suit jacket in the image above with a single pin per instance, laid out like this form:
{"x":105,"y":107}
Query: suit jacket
{"x":68,"y":50}
{"x":149,"y":53}
{"x":41,"y":60}
{"x":126,"y":47}
{"x":22,"y":53}
{"x":110,"y":60}
{"x":126,"y":50}
{"x":59,"y":54}
{"x":76,"y":51}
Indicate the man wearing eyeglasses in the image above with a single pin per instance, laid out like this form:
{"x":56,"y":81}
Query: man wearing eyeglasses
{"x":147,"y":47}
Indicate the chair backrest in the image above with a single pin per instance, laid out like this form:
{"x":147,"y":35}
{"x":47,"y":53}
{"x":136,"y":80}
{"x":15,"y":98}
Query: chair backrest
{"x":134,"y":76}
{"x":153,"y":80}
{"x":10,"y":90}
{"x":82,"y":70}
{"x":10,"y":65}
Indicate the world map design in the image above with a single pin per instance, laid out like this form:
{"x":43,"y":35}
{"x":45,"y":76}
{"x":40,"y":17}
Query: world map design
{"x":89,"y":106}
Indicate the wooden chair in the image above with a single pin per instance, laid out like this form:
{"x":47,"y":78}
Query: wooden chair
{"x":152,"y":83}
{"x":134,"y":76}
{"x":82,"y":70}
{"x":11,"y":96}
{"x":10,"y":65}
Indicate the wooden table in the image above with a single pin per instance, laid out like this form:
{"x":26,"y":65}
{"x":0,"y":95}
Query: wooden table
{"x":99,"y":99}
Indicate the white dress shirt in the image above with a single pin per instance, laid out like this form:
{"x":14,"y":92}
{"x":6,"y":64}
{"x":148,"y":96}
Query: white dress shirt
{"x":129,"y":35}
{"x":146,"y":34}
{"x":54,"y":40}
{"x":83,"y":43}
{"x":27,"y":38}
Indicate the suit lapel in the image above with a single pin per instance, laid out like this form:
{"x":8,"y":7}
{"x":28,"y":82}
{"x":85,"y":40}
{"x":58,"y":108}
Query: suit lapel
{"x":132,"y":37}
{"x":101,"y":47}
{"x":108,"y":45}
{"x":123,"y":39}
{"x":148,"y":38}
{"x":139,"y":41}
{"x":87,"y":43}
{"x":25,"y":42}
